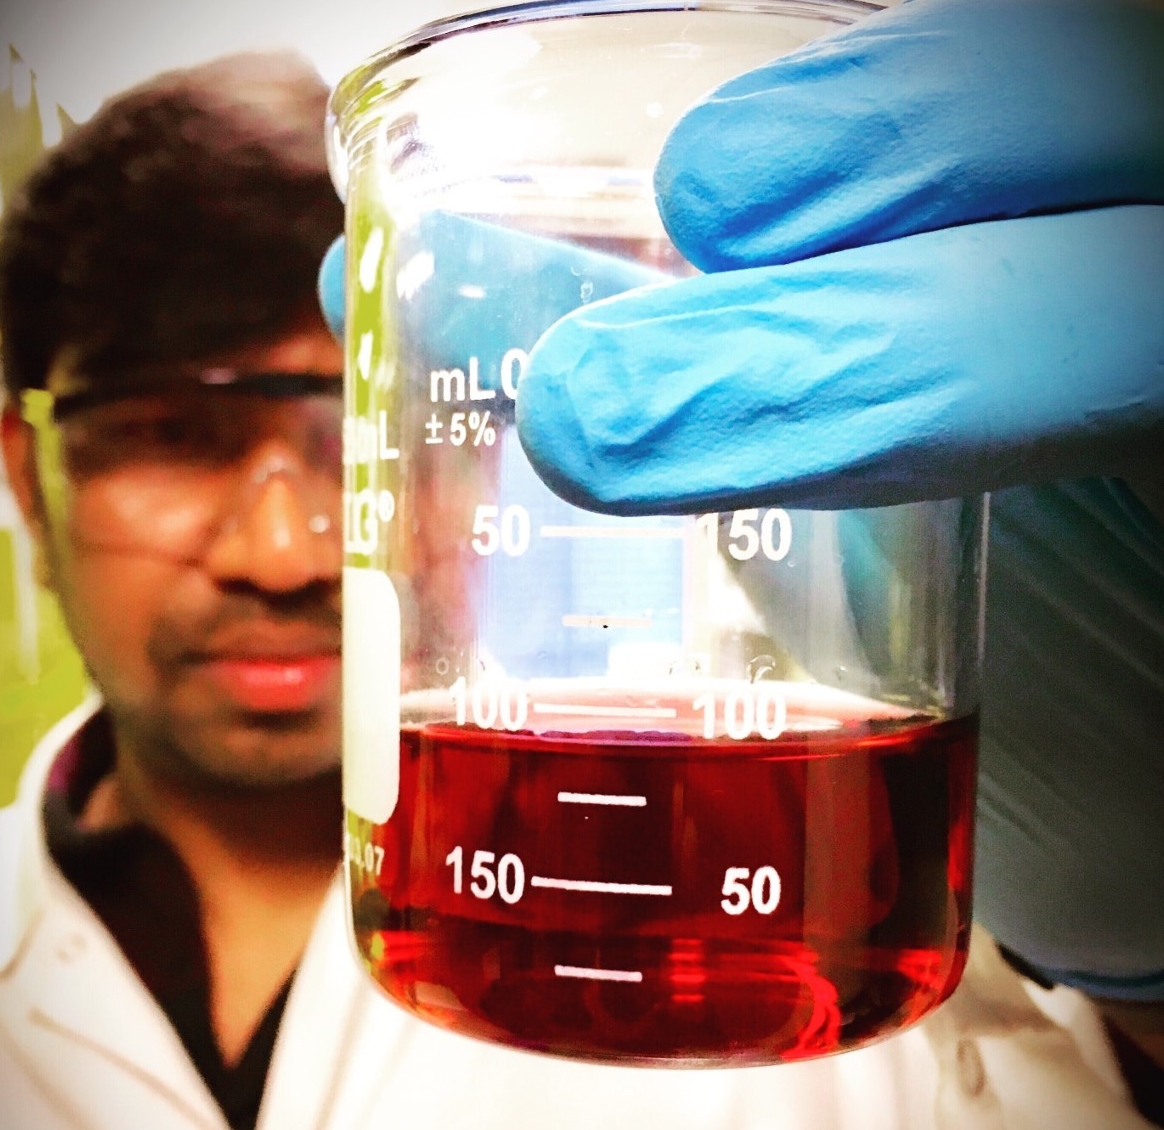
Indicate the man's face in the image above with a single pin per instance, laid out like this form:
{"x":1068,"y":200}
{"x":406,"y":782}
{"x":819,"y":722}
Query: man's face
{"x":195,"y":545}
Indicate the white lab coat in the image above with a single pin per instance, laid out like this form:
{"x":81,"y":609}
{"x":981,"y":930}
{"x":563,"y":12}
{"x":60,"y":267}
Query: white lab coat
{"x":83,"y":1046}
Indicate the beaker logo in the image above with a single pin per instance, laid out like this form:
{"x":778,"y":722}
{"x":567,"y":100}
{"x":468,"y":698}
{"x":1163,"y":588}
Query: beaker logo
{"x":365,"y":511}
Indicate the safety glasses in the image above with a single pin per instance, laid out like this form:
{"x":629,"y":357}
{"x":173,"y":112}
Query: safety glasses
{"x":163,"y":464}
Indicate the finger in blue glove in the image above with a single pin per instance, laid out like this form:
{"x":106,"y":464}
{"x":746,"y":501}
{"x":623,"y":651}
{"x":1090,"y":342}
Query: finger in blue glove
{"x":932,"y":366}
{"x":330,"y":287}
{"x":929,"y":114}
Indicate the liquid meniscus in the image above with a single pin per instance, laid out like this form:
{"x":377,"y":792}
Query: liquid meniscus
{"x":666,"y":899}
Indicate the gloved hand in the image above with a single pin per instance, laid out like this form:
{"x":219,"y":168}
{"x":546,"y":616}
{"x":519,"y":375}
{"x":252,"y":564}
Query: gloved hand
{"x":937,"y":251}
{"x":878,"y":328}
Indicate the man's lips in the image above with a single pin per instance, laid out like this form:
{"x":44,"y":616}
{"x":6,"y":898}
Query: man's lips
{"x":269,"y":667}
{"x":275,"y":683}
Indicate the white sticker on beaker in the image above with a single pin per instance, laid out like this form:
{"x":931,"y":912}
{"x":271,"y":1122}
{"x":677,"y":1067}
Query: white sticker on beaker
{"x":371,"y":694}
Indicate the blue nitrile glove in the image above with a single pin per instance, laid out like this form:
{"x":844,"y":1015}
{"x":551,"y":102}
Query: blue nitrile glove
{"x":912,"y":341}
{"x":940,"y":251}
{"x":1070,"y":833}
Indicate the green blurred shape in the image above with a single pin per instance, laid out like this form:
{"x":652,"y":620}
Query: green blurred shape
{"x":41,"y":674}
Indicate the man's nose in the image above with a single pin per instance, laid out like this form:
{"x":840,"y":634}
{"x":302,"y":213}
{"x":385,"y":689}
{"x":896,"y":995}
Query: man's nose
{"x":281,"y":529}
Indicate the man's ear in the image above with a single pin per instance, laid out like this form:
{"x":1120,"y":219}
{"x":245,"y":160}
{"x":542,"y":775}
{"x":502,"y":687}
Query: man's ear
{"x":18,"y":444}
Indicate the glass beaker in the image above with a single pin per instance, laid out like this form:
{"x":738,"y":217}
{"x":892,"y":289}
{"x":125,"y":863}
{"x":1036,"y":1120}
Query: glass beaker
{"x":669,"y":790}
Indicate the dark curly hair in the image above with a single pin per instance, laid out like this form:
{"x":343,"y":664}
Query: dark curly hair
{"x":185,"y":220}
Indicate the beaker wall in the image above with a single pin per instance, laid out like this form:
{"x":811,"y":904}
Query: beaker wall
{"x":672,"y":789}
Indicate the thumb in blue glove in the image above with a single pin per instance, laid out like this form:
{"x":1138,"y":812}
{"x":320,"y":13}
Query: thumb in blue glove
{"x":474,"y":288}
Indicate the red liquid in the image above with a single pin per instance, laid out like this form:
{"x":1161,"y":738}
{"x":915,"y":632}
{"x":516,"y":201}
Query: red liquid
{"x":868,"y":835}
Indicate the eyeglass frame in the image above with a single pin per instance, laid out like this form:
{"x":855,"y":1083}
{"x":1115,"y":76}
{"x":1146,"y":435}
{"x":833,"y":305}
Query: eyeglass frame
{"x":43,"y":410}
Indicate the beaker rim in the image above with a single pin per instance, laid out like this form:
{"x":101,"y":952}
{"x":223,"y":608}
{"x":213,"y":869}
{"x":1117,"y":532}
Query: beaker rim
{"x":347,"y":91}
{"x":500,"y":15}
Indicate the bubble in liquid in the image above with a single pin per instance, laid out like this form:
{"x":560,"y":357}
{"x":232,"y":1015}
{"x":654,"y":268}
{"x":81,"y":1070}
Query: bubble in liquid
{"x":587,"y":290}
{"x":762,"y":667}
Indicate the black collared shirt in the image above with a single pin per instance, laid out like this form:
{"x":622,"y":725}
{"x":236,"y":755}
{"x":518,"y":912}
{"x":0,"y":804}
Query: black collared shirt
{"x":141,"y":890}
